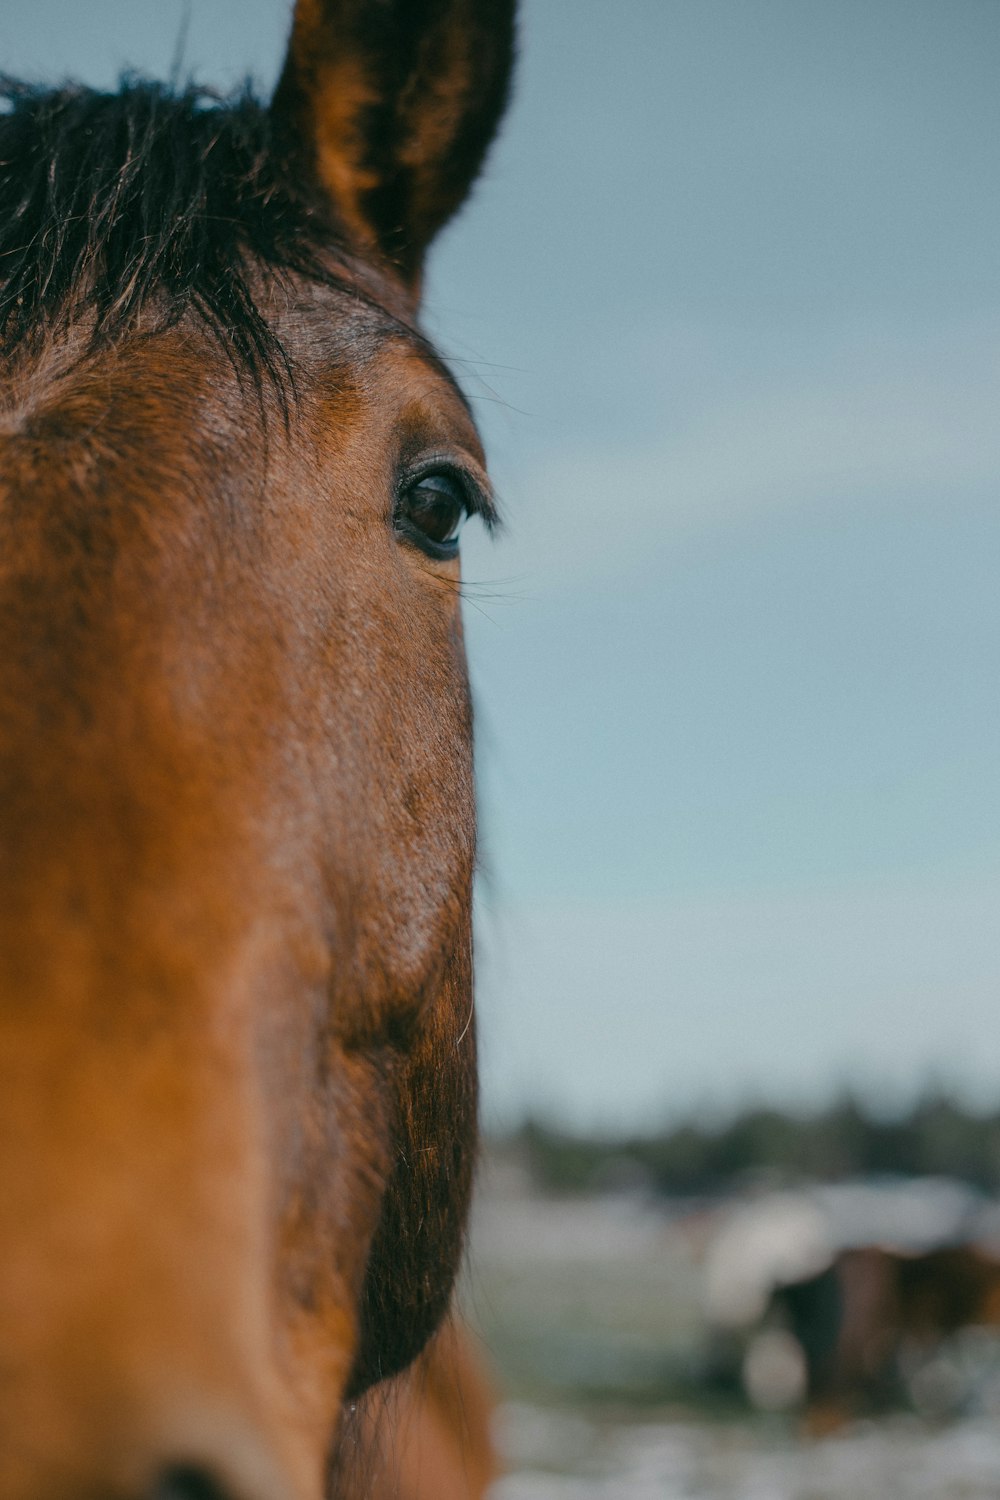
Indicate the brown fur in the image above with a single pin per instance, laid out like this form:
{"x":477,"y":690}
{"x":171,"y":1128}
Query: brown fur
{"x":237,"y":839}
{"x":426,"y":1435}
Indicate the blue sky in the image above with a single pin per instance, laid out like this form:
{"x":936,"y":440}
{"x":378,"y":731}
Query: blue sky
{"x":727,"y":303}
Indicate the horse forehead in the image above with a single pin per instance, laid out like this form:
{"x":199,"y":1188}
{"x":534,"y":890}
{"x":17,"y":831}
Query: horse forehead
{"x":141,"y":494}
{"x":72,"y":423}
{"x":187,"y":394}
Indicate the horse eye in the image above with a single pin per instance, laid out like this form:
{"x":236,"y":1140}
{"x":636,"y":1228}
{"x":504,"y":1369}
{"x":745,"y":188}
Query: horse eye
{"x":431,"y":511}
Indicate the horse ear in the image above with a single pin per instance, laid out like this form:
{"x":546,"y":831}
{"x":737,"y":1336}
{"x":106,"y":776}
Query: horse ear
{"x":395,"y":103}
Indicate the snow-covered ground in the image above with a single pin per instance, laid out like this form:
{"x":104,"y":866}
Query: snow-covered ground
{"x":565,"y":1456}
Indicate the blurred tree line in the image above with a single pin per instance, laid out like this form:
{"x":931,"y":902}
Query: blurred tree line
{"x":937,"y":1137}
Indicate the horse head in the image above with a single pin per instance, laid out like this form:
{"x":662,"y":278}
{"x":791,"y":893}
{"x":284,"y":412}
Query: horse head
{"x":237,"y":827}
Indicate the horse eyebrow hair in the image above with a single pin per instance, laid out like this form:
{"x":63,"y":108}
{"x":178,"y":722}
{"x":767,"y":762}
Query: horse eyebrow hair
{"x":422,"y":346}
{"x":392,"y":325}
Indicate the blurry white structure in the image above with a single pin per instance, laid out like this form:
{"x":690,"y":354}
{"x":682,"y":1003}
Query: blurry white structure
{"x":762,"y":1244}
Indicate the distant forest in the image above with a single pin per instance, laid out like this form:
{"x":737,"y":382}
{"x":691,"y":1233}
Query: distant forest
{"x":937,"y":1136}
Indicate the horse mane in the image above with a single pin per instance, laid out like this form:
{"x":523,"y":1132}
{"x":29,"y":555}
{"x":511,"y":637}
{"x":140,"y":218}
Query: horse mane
{"x":152,"y":201}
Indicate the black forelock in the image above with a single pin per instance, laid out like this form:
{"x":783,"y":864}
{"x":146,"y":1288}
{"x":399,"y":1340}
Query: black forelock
{"x":150,"y":199}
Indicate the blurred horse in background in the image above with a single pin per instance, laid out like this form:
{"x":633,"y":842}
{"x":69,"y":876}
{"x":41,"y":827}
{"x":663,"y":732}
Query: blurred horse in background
{"x":876,"y":1318}
{"x":237,"y":827}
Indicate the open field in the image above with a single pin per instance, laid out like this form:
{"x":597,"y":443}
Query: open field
{"x":564,"y":1455}
{"x":590,"y":1310}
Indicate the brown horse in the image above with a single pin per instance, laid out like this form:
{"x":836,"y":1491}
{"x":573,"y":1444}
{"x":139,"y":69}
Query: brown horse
{"x":855,"y":1319}
{"x":237,"y":833}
